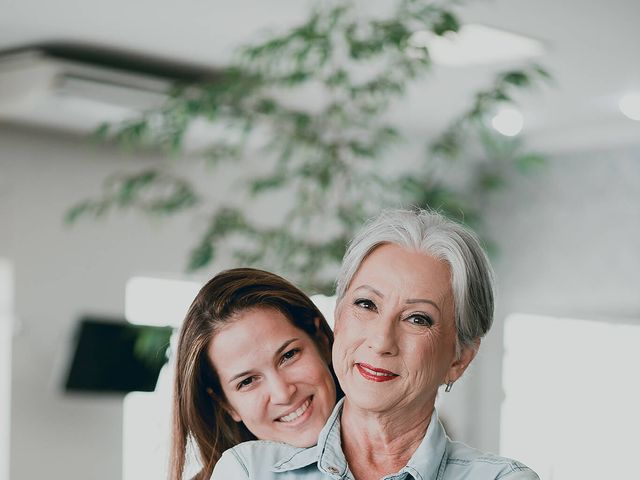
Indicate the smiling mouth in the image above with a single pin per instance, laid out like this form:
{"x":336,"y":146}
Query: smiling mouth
{"x":297,"y":413}
{"x":375,"y":374}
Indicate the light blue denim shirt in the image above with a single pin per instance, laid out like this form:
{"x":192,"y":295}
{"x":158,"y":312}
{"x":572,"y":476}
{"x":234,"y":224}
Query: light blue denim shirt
{"x":436,"y":458}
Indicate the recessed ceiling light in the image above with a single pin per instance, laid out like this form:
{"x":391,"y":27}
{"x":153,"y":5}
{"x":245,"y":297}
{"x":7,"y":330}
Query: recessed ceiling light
{"x":474,"y":45}
{"x":508,"y":121}
{"x":630,"y":106}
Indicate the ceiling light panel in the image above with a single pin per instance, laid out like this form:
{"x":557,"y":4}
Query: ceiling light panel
{"x":475,"y":45}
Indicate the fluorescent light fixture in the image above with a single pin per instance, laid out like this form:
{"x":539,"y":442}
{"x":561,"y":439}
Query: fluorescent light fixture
{"x":508,"y":121}
{"x":474,"y":45}
{"x":629,"y":105}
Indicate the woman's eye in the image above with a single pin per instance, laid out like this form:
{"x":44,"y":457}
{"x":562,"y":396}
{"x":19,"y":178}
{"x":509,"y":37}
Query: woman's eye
{"x":365,"y":303}
{"x":290,"y":354}
{"x":420,"y":320}
{"x":246,"y":382}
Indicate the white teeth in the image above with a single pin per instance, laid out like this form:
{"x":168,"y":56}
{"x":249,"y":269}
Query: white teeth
{"x":293,"y":415}
{"x":376,"y":374}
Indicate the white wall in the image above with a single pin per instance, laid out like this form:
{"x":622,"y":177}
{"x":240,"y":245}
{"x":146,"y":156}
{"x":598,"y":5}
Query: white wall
{"x":569,"y":246}
{"x":60,"y":274}
{"x":6,"y":324}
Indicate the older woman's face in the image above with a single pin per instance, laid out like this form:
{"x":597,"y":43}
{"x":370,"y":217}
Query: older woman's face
{"x":395,"y":335}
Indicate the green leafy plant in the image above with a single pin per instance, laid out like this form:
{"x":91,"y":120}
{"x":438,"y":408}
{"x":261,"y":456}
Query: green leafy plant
{"x":331,"y":154}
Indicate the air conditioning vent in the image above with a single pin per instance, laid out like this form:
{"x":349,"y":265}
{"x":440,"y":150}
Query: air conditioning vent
{"x":77,"y":89}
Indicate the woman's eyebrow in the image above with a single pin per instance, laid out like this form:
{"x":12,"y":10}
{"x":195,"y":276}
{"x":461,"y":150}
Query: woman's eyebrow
{"x":238,"y":375}
{"x":408,"y":301}
{"x":284,"y":346}
{"x":423,"y":300}
{"x":277,"y":353}
{"x":370,"y":289}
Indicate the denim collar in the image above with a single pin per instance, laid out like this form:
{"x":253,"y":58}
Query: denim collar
{"x":423,"y":464}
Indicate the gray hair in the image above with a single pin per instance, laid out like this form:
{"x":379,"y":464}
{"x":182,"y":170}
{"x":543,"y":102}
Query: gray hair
{"x":472,"y":279}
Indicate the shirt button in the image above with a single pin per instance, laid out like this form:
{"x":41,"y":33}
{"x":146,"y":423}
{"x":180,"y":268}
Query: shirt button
{"x":332,"y":470}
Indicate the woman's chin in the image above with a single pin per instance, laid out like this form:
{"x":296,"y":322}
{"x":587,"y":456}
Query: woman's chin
{"x":304,"y":439}
{"x":371,"y":403}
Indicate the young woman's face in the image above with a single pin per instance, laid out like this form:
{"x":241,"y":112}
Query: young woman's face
{"x":273,"y":377}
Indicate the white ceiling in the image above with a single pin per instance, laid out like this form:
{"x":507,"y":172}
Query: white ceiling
{"x":593,"y":52}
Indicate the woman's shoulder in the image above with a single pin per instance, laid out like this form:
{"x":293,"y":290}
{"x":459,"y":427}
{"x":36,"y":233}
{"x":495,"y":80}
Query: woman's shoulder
{"x":462,"y":458}
{"x":249,"y":460}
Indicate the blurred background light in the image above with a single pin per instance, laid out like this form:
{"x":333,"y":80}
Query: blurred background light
{"x":630,"y":105}
{"x":508,"y":121}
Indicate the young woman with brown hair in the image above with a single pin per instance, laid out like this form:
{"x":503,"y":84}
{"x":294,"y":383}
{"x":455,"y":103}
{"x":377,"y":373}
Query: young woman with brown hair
{"x":253,"y":362}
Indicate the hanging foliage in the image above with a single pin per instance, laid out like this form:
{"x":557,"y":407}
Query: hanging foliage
{"x":331,"y":155}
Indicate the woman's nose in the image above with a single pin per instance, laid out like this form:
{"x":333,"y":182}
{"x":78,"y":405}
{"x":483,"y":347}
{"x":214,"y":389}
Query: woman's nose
{"x":382,"y":337}
{"x":281,"y":390}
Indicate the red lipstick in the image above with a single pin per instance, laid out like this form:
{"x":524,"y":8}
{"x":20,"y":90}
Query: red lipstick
{"x":375,"y":374}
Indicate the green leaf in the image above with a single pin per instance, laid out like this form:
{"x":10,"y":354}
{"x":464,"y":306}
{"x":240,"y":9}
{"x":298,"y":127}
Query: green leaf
{"x":541,"y":71}
{"x":337,"y":78}
{"x":76,"y":211}
{"x":446,"y":23}
{"x":200,"y":256}
{"x":266,"y":106}
{"x":491,"y":181}
{"x":102,"y":132}
{"x":529,"y":162}
{"x":518,"y":78}
{"x":449,"y":144}
{"x":260,"y":185}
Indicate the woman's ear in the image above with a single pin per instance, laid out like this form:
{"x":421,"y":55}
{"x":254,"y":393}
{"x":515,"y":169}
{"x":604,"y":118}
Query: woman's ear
{"x":224,"y":405}
{"x":232,"y":413}
{"x":460,"y":364}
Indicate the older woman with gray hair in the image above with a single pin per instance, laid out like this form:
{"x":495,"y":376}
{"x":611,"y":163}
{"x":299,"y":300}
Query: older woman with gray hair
{"x":415,"y":296}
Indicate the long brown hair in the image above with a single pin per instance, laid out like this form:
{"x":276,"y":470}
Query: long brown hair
{"x":198,"y":414}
